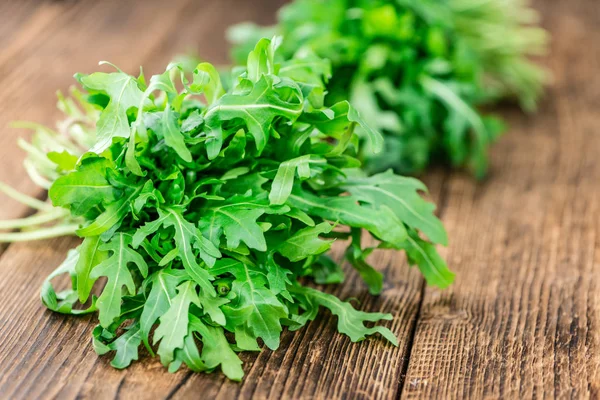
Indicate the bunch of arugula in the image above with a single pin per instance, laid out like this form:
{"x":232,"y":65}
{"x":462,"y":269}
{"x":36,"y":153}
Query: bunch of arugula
{"x":205,"y":210}
{"x":418,"y":70}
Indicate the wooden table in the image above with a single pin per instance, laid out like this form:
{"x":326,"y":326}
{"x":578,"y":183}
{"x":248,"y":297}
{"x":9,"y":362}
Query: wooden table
{"x":522,"y":319}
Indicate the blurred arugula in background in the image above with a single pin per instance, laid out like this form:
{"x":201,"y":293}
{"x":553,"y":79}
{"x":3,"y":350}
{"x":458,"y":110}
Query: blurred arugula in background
{"x":206,"y":209}
{"x":418,"y":70}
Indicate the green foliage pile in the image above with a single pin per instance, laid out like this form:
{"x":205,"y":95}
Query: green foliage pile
{"x":418,"y":70}
{"x":205,"y":211}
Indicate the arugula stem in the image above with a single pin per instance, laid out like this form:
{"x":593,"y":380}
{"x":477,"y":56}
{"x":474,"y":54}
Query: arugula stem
{"x":35,"y":175}
{"x":36,"y":154}
{"x":37,"y":219}
{"x":47,"y":233}
{"x":24,"y":199}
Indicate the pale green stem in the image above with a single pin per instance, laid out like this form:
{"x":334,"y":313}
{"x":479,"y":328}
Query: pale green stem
{"x":34,"y":126}
{"x":37,"y":219}
{"x":36,"y":154}
{"x":24,"y":199}
{"x":39,"y":234}
{"x":35,"y":175}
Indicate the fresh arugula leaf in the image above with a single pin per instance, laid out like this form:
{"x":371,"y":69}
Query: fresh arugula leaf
{"x":85,"y":188}
{"x":173,"y":136}
{"x":173,"y":327}
{"x":90,"y":254}
{"x":350,"y":321}
{"x":237,"y":221}
{"x":217,"y":351}
{"x":432,"y":266}
{"x":284,"y":180}
{"x":187,"y":237}
{"x":326,"y":271}
{"x":306,"y":242}
{"x":357,"y":258}
{"x":400,"y":194}
{"x":113,"y":214}
{"x":125,"y":346}
{"x":164,"y":283}
{"x":124,"y":93}
{"x":257,"y":109}
{"x":116,"y":269}
{"x":64,"y":301}
{"x":252,"y":304}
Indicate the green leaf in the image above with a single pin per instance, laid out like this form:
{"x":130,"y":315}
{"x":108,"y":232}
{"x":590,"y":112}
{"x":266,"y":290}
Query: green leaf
{"x":116,"y":269}
{"x":306,"y":242}
{"x":207,"y":81}
{"x":356,"y":256}
{"x":173,"y":136}
{"x":310,"y":72}
{"x":431,"y":265}
{"x":63,"y":160}
{"x":124,"y":93}
{"x":350,"y":321}
{"x":211,"y":306}
{"x":341,"y":117}
{"x":237,"y":221}
{"x":187,"y":237}
{"x":244,"y":339}
{"x":126,"y":347}
{"x":64,"y":301}
{"x":188,"y":354}
{"x":85,"y":188}
{"x":401,"y":195}
{"x":277,"y":277}
{"x":261,"y":60}
{"x":252,"y":304}
{"x":157,"y":82}
{"x":284,"y":179}
{"x":257,"y":109}
{"x":383,"y":223}
{"x":173,"y":326}
{"x":217,"y":351}
{"x":90,"y":255}
{"x":164,"y":283}
{"x":112,"y":215}
{"x":327,"y":271}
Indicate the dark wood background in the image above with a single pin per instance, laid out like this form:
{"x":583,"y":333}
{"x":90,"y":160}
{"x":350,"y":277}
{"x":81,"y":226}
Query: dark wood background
{"x":521,"y":320}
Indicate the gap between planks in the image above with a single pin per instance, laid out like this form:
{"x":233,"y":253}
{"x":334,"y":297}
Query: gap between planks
{"x":442,"y":202}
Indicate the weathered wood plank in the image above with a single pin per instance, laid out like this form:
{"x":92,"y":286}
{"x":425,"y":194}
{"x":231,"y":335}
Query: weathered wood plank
{"x":522,"y":319}
{"x":57,"y":40}
{"x":47,"y":355}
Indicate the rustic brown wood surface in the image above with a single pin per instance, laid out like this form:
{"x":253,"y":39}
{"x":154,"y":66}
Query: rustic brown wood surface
{"x":521,"y":320}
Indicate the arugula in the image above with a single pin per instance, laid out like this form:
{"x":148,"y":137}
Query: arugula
{"x":418,"y":70}
{"x":206,"y":210}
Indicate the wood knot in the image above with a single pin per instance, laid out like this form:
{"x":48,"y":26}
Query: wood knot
{"x":444,"y":314}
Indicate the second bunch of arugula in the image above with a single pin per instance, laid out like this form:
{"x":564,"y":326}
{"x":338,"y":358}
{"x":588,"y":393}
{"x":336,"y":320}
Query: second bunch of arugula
{"x":420,"y":71}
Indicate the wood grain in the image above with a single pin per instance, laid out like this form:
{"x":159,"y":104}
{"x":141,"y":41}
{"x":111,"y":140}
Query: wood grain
{"x":523,"y":318}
